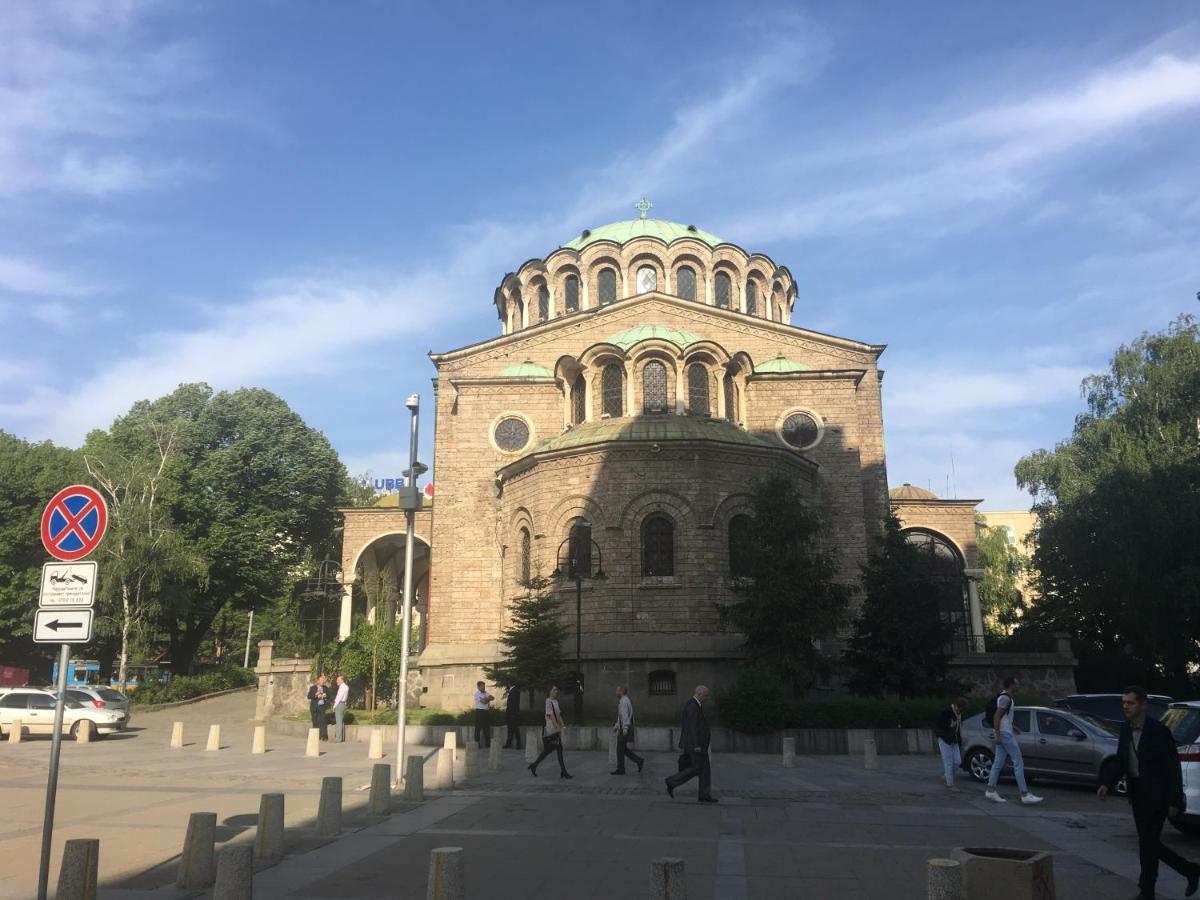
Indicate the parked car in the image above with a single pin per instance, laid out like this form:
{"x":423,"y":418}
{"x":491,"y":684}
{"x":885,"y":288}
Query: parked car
{"x":1055,"y":743}
{"x":1108,"y":706}
{"x":1183,"y":718}
{"x":34,"y":708}
{"x":100,"y":698}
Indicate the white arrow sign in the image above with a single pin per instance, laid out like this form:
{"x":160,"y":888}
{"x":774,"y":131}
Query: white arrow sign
{"x":68,"y":584}
{"x":62,"y":626}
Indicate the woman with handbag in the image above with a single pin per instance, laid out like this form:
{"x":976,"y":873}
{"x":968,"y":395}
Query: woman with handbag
{"x":948,"y":729}
{"x":552,"y":735}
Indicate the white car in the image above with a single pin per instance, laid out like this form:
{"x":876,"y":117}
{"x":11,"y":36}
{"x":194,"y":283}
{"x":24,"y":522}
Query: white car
{"x":100,"y":698}
{"x":1184,"y":721}
{"x":34,"y":709}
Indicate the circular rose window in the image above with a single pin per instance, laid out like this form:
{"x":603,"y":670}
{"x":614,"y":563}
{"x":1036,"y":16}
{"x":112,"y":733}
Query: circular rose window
{"x":512,"y":434}
{"x":800,"y":430}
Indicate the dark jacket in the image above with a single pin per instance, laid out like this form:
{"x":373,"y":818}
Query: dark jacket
{"x":946,"y":726}
{"x":1160,"y":780}
{"x":313,"y":703}
{"x":512,"y":705}
{"x":694,"y":731}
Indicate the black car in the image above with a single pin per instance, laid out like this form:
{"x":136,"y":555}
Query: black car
{"x":1108,"y":706}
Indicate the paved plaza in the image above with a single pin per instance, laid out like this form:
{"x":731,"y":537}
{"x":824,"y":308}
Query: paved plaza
{"x":826,"y":829}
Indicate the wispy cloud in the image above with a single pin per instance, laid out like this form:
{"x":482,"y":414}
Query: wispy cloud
{"x":26,"y":276}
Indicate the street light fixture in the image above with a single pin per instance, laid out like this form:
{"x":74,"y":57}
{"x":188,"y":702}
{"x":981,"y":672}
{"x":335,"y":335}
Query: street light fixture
{"x":579,"y":546}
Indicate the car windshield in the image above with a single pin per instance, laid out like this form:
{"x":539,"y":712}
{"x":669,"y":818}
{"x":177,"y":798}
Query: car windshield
{"x":1099,"y":724}
{"x":110,"y":695}
{"x":1184,"y":722}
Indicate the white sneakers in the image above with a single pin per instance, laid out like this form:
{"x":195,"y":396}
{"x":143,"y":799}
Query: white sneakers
{"x":1027,"y":798}
{"x":993,"y":795}
{"x":1030,"y":799}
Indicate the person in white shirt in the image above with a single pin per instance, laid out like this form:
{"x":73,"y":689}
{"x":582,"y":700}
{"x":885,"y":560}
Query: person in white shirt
{"x":624,"y":730}
{"x":1004,"y":734}
{"x":340,"y":699}
{"x":483,"y":715}
{"x":552,"y":735}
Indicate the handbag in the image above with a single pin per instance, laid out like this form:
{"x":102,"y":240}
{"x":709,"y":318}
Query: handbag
{"x":685,"y":761}
{"x":552,"y":740}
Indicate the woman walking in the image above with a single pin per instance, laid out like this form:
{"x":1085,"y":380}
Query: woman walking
{"x":552,"y":735}
{"x":949,"y":738}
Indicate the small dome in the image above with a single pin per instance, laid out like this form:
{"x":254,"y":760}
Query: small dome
{"x":782,"y":364}
{"x":623,"y":232}
{"x":630,"y":336}
{"x":907,"y":491}
{"x":527,"y":369}
{"x":655,"y":429}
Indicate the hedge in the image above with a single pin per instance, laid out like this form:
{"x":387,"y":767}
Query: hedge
{"x":186,"y":687}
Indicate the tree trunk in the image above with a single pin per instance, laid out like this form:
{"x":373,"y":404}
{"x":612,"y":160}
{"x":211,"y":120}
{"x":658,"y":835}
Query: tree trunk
{"x":125,"y":621}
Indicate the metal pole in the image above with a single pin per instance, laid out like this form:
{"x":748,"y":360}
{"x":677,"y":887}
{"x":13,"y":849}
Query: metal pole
{"x":249,"y":628}
{"x":578,"y":646}
{"x":414,"y":406}
{"x":64,"y":659}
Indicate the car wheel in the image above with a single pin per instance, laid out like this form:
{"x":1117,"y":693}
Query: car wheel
{"x":979,"y":763}
{"x":75,"y":729}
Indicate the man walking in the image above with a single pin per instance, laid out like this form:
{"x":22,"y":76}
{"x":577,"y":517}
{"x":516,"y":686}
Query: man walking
{"x":340,"y":699}
{"x":1004,"y":735}
{"x":624,"y":730}
{"x":1149,"y":761}
{"x":318,"y":707}
{"x":483,"y":711}
{"x":512,"y":717}
{"x":694,"y":740}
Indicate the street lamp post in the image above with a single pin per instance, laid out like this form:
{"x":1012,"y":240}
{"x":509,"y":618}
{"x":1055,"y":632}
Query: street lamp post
{"x":410,"y":502}
{"x":579,"y":546}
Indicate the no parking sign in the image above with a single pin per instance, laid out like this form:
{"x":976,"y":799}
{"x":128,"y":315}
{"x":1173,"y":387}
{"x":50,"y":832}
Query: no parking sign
{"x":74,"y":522}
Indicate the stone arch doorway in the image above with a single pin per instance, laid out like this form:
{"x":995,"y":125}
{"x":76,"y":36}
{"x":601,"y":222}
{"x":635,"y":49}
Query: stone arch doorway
{"x":373,"y":570}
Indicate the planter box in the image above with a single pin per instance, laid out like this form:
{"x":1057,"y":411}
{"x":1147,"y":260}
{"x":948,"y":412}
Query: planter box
{"x":1003,"y":873}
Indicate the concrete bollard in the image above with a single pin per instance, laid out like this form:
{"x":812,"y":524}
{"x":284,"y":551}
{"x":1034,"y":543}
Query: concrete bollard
{"x":451,"y":743}
{"x":667,"y":879}
{"x":259,"y":744}
{"x":313,"y":747}
{"x":445,"y":769}
{"x":870,"y":754}
{"x":235,"y":873}
{"x":612,"y":748}
{"x":80,"y":866}
{"x":945,"y":880}
{"x":789,"y":753}
{"x":268,"y":838}
{"x":380,"y":802}
{"x":470,"y":760}
{"x":495,"y":757}
{"x":16,"y":731}
{"x":447,"y":874}
{"x":533,"y":744}
{"x":214,"y":738}
{"x":329,"y":812}
{"x":83,"y":731}
{"x":196,"y":862}
{"x":177,"y":735}
{"x":414,"y":780}
{"x":375,"y":749}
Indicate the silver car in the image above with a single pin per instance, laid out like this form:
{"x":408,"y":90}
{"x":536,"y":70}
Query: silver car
{"x":1054,"y":743}
{"x":1184,"y":721}
{"x":100,"y":698}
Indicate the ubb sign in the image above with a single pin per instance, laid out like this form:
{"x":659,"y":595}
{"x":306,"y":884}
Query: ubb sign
{"x":392,"y":484}
{"x":74,"y":522}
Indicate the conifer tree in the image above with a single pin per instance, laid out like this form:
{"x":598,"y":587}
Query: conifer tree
{"x":534,"y":639}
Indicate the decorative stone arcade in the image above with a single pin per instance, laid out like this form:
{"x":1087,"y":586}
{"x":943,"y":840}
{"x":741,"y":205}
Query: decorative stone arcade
{"x":373,"y":558}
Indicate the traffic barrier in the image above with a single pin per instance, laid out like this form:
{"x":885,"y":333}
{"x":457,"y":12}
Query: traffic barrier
{"x":268,"y":838}
{"x":84,"y":729}
{"x":380,"y":802}
{"x":533,"y":744}
{"x":80,"y":867}
{"x":177,"y":735}
{"x":870,"y":754}
{"x":495,"y":757}
{"x":235,"y":873}
{"x":329,"y":812}
{"x":375,"y":749}
{"x":667,"y":879}
{"x":196,"y":862}
{"x":16,"y":732}
{"x":447,"y":875}
{"x":789,"y":753}
{"x":214,"y":738}
{"x":414,"y":780}
{"x":259,"y":745}
{"x":445,"y":769}
{"x":313,"y":747}
{"x":945,"y":881}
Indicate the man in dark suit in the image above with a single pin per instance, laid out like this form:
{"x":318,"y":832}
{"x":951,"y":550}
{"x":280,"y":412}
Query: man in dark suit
{"x":693,"y":741}
{"x":1148,"y":760}
{"x":512,"y":717}
{"x":318,"y":706}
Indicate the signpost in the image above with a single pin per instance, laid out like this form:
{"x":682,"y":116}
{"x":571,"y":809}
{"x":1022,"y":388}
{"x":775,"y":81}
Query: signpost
{"x":73,"y":525}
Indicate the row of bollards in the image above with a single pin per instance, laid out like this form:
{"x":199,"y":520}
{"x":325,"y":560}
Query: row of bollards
{"x":83,"y":731}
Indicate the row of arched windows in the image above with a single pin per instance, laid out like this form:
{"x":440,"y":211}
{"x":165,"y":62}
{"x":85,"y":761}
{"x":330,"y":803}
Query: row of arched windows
{"x":654,"y":392}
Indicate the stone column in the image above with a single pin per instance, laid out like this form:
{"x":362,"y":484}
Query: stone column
{"x":347,"y":607}
{"x":680,"y":392}
{"x":973,"y":576}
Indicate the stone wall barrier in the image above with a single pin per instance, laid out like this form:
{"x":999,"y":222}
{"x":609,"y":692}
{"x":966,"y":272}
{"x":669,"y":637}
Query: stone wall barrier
{"x":214,"y":738}
{"x":235,"y":873}
{"x":414,"y":779}
{"x":495,"y":757}
{"x":533,"y":744}
{"x":447,"y":874}
{"x":84,"y":730}
{"x":268,"y":839}
{"x":445,"y":769}
{"x":259,"y":744}
{"x":196,"y":863}
{"x":329,"y":811}
{"x":375,"y":749}
{"x":789,"y":753}
{"x":870,"y":754}
{"x":177,"y":735}
{"x":667,"y":880}
{"x":1003,"y":873}
{"x":945,"y":880}
{"x":80,"y":867}
{"x":313,"y":747}
{"x":380,"y":802}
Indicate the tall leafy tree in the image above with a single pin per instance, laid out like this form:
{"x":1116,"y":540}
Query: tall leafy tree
{"x":1000,"y":597}
{"x":1117,"y":542}
{"x":533,"y":639}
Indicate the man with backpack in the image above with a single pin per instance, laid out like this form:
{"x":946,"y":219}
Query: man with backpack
{"x":1000,"y":714}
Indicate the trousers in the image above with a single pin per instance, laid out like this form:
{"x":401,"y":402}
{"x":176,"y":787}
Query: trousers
{"x":1149,"y":817}
{"x":1007,"y":748}
{"x":624,"y":751}
{"x":698,"y":767}
{"x":483,"y":728}
{"x":951,"y":759}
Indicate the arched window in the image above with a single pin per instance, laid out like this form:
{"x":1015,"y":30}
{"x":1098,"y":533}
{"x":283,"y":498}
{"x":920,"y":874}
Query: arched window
{"x":519,"y":306}
{"x":731,"y":399}
{"x":571,"y":291}
{"x":526,"y":554}
{"x":654,"y":388}
{"x":578,"y":400}
{"x":739,"y":545}
{"x":724,"y":290}
{"x":943,"y":567}
{"x":685,"y":281}
{"x":647,"y":279}
{"x":697,"y":379}
{"x":543,"y":303}
{"x":607,"y":283}
{"x":658,"y":546}
{"x":751,"y":298}
{"x":612,"y":391}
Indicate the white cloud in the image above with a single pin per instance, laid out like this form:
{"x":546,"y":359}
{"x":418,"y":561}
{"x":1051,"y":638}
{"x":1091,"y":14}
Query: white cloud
{"x":26,"y":276}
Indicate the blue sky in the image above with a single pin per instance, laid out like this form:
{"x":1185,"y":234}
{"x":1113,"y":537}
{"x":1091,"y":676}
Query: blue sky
{"x":309,"y":196}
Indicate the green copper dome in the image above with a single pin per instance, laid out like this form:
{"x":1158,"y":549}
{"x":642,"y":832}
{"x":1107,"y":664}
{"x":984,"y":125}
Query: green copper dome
{"x":630,"y":336}
{"x":527,"y":369}
{"x":782,"y":364}
{"x":623,"y":232}
{"x":654,"y":429}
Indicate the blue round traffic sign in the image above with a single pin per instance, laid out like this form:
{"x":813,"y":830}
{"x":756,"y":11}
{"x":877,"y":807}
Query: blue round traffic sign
{"x":74,"y":522}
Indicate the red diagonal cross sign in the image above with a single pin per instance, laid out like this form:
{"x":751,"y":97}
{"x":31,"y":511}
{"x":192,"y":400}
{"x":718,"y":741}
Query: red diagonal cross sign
{"x":93,"y":505}
{"x":72,"y":521}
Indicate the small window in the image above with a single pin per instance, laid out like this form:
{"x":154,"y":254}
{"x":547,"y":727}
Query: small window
{"x":662,"y":684}
{"x":13,"y":701}
{"x":1020,"y":718}
{"x":526,"y":554}
{"x":1054,"y":725}
{"x":731,"y":399}
{"x":647,"y":279}
{"x":697,"y":379}
{"x":543,"y":303}
{"x":571,"y":290}
{"x":751,"y":298}
{"x":41,"y":701}
{"x":607,"y":283}
{"x":739,"y":545}
{"x":724,"y":290}
{"x":658,"y":547}
{"x":612,"y":391}
{"x":685,"y":280}
{"x":578,"y":400}
{"x":512,"y":434}
{"x":654,"y":388}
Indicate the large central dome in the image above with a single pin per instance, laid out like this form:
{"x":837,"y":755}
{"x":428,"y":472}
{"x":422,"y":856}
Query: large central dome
{"x":622,"y":232}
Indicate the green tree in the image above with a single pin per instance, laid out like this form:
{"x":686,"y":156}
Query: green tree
{"x":533,"y":655}
{"x":790,"y":598}
{"x":900,"y":637}
{"x":1000,"y":598}
{"x":1117,"y":542}
{"x":370,"y":656}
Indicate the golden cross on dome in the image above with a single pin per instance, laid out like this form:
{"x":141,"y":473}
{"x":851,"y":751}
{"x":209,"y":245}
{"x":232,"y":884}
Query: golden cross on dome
{"x":642,"y":206}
